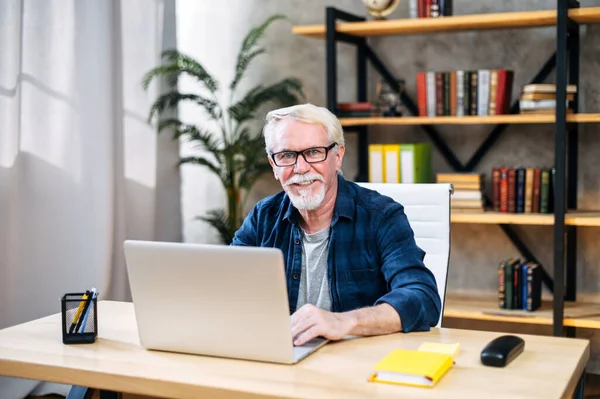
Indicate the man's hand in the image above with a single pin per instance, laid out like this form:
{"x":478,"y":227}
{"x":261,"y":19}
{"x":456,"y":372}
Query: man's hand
{"x":310,"y":322}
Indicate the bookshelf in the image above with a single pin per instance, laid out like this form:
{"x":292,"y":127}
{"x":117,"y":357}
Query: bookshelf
{"x":579,"y":218}
{"x":563,"y":312}
{"x":469,"y":120}
{"x":481,"y":307}
{"x":512,"y":20}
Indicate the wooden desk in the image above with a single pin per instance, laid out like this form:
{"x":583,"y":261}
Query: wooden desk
{"x":548,"y":368}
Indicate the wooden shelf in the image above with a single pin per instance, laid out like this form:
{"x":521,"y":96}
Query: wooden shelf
{"x":523,"y":19}
{"x":468,"y":120}
{"x":578,"y":218}
{"x":461,"y":306}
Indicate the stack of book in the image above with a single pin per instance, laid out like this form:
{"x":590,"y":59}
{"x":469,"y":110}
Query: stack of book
{"x":354,"y":110}
{"x":468,"y":188}
{"x":458,"y":93}
{"x":519,"y":285}
{"x":400,"y":163}
{"x":522,"y":190}
{"x":429,"y":8}
{"x":541,"y":99}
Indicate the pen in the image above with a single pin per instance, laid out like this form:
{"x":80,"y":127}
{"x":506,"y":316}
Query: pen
{"x":78,"y":313}
{"x":87,"y":312}
{"x":85,"y":308}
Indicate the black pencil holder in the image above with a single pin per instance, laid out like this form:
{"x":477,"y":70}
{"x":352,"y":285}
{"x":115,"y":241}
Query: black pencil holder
{"x":79,"y":318}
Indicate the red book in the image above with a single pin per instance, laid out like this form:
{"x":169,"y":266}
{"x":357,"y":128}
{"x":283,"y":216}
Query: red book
{"x":422,"y":93}
{"x":496,"y":189}
{"x":512,"y":185}
{"x":504,"y":91}
{"x":422,"y":8}
{"x":504,"y":190}
{"x":356,"y":106}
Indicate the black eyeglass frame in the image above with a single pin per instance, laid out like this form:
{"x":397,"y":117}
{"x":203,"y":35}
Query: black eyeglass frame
{"x":327,"y":149}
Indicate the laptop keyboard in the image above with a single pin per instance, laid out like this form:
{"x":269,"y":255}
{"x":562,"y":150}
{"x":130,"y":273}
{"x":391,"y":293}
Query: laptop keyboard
{"x":303,"y":350}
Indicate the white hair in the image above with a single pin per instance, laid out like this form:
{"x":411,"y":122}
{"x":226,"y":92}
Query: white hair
{"x":307,"y":113}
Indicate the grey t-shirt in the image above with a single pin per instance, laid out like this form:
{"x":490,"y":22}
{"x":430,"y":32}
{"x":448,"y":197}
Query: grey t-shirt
{"x":314,"y":285}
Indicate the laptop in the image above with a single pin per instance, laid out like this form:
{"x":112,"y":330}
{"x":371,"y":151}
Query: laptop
{"x":213,"y":300}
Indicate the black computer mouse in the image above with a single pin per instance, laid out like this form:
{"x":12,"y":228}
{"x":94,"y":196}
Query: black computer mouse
{"x":502,"y":350}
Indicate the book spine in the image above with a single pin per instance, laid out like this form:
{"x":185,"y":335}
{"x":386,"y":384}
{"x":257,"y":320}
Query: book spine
{"x":460,"y":93}
{"x":524,"y":268}
{"x":516,"y":270}
{"x":439,"y":94}
{"x":493,"y":91}
{"x":496,"y":189}
{"x":501,"y":92}
{"x":501,"y":287}
{"x":520,"y":192}
{"x":422,"y":93}
{"x":413,"y":9}
{"x":474,"y":92}
{"x":435,"y":8}
{"x":512,"y":183}
{"x":453,"y":99}
{"x":507,"y":91}
{"x":528,"y":190}
{"x":537,"y":177}
{"x":467,"y":90}
{"x":508,"y":284}
{"x":483,"y":94}
{"x":448,"y":9}
{"x":431,"y":94}
{"x":544,"y":191}
{"x":447,"y":101}
{"x":428,"y":8}
{"x":422,"y":8}
{"x":534,"y":288}
{"x":504,"y":190}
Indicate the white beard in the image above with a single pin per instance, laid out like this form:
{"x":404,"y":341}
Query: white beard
{"x":307,"y":200}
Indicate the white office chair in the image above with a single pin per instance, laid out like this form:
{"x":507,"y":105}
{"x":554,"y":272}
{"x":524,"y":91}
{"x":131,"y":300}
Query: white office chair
{"x":427,"y":207}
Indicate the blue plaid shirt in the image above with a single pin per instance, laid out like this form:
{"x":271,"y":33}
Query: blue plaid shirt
{"x":373,"y":257}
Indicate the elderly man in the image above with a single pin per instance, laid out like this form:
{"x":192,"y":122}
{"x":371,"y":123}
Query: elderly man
{"x":352,"y":264}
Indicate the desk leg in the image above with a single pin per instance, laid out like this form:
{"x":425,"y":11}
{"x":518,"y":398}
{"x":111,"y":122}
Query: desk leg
{"x":579,"y":389}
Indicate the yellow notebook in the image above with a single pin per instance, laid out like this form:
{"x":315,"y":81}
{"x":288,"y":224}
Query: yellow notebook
{"x":412,"y":367}
{"x":449,"y":349}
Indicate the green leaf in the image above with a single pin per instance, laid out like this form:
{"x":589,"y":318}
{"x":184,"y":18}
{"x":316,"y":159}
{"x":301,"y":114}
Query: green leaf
{"x":169,"y":72}
{"x":167,"y":123}
{"x":247,"y":51}
{"x":171,"y":100}
{"x":284,"y":93}
{"x":180,"y":63}
{"x":220,"y":221}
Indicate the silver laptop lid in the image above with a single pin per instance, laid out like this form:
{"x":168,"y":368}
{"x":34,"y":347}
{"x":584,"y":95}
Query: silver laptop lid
{"x":210,"y":299}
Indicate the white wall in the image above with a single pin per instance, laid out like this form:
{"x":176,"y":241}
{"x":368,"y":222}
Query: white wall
{"x":212,"y":32}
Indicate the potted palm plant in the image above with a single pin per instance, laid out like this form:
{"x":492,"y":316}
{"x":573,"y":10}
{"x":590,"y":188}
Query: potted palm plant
{"x":235,"y":150}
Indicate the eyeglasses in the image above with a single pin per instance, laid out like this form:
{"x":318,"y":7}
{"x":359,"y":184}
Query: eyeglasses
{"x":310,"y":155}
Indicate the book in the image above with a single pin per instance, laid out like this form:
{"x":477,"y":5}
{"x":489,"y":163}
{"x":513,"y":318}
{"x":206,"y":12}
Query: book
{"x":449,"y":349}
{"x":412,"y":367}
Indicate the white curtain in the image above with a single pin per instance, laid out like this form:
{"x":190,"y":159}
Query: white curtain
{"x":80,"y":168}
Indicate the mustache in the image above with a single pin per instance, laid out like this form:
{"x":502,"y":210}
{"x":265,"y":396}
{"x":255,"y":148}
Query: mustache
{"x":299,"y":179}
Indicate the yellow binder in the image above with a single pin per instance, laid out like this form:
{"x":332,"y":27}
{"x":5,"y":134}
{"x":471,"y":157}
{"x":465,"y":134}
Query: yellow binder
{"x":376,"y":163}
{"x":392,"y":163}
{"x":412,"y":367}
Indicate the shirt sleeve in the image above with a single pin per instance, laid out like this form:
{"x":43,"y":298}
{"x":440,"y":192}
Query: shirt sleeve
{"x":247,"y":233}
{"x":412,"y":286}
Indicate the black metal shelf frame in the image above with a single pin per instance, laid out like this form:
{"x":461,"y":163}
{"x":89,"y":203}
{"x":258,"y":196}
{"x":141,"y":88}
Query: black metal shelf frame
{"x":564,"y":60}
